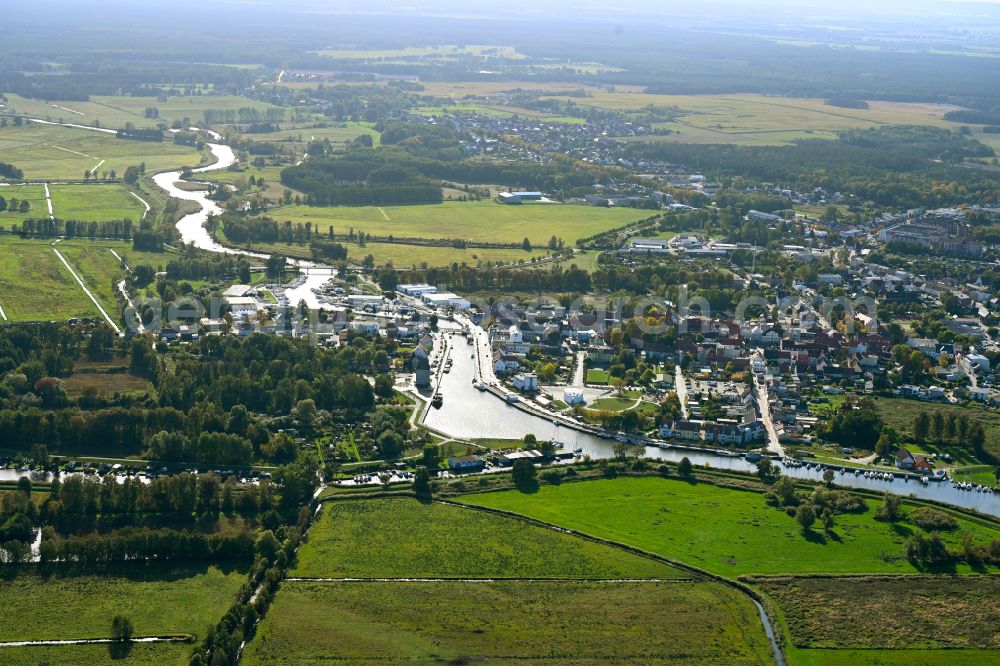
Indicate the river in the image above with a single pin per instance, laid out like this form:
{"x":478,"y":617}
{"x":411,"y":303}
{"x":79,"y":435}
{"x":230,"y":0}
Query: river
{"x":192,"y":230}
{"x":468,"y":413}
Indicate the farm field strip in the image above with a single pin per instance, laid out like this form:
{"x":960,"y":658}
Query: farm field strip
{"x":551,"y":622}
{"x":87,"y":291}
{"x":515,"y":579}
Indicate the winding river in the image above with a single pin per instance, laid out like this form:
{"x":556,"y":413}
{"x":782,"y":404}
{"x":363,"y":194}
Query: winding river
{"x":193,"y":231}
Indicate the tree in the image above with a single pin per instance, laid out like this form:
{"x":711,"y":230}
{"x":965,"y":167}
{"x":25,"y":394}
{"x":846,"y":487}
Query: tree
{"x":768,"y":471}
{"x":827,"y":519}
{"x":784,"y":490}
{"x":121,"y":629}
{"x":684,"y":467}
{"x":267,"y":545}
{"x":977,"y":438}
{"x":921,"y":427}
{"x":828,"y":477}
{"x":431,"y":456}
{"x":530,"y":442}
{"x":888,"y":441}
{"x":805,"y":516}
{"x":422,"y":485}
{"x":937,"y":426}
{"x":523,"y":474}
{"x":890,"y":510}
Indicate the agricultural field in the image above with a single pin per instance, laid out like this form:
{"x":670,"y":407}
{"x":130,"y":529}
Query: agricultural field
{"x":442,"y":52}
{"x":178,"y":654}
{"x":160,"y":599}
{"x":407,"y":256}
{"x":114,"y":111}
{"x":901,"y":414}
{"x":95,"y":203}
{"x":100,"y":270}
{"x":762,"y":120}
{"x":483,"y":221}
{"x":864,"y":611}
{"x":500,"y":622}
{"x":667,"y":517}
{"x":35,"y":285}
{"x":402,"y":538}
{"x":33,"y":194}
{"x":49,"y":152}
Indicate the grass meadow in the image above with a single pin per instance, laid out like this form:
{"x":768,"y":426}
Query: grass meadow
{"x":505,"y":622}
{"x":668,"y":517}
{"x":95,"y":203}
{"x":47,"y":152}
{"x":401,"y":538}
{"x":114,"y":111}
{"x":483,"y":221}
{"x":160,"y":599}
{"x":177,"y":654}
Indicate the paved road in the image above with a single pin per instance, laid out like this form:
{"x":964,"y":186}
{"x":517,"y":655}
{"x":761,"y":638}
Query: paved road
{"x":680,"y":386}
{"x":773,"y":445}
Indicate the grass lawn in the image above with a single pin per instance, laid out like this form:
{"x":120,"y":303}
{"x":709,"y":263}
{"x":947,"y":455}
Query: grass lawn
{"x":889,"y":612}
{"x":96,"y":655}
{"x":485,"y":221}
{"x":95,"y":203}
{"x":901,"y":414}
{"x":611,"y":404}
{"x":509,"y":622}
{"x":396,"y":538}
{"x":35,"y":285}
{"x":159,"y":599}
{"x":597,"y":376}
{"x":669,"y":517}
{"x":47,"y":152}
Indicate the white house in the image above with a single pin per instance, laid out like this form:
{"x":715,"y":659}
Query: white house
{"x":526,"y":381}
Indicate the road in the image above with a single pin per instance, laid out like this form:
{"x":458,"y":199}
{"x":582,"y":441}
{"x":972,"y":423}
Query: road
{"x":773,"y":445}
{"x":680,"y":386}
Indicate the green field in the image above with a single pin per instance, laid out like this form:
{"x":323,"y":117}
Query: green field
{"x":100,"y":269}
{"x":160,"y":599}
{"x":34,"y":194}
{"x":114,"y":111}
{"x":96,"y":655}
{"x":407,"y":256}
{"x":484,"y":221}
{"x":402,"y":538}
{"x":95,"y":203}
{"x":34,"y":284}
{"x":509,"y":622}
{"x":901,"y":414}
{"x":47,"y":152}
{"x":669,"y":517}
